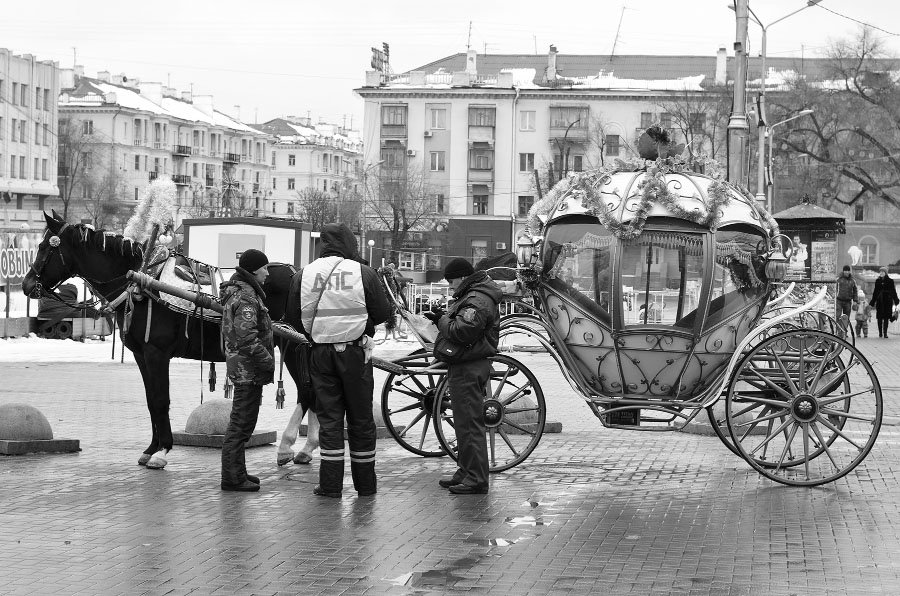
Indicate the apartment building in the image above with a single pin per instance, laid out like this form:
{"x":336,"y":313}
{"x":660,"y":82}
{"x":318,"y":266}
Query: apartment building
{"x":28,"y":148}
{"x":134,"y":132}
{"x":323,"y":157}
{"x":479,"y":127}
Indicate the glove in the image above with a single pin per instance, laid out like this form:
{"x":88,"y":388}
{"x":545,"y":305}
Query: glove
{"x":433,"y":315}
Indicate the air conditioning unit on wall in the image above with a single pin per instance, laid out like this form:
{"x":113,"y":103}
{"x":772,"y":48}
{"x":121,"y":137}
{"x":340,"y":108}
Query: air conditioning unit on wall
{"x":428,"y":134}
{"x":410,"y":153}
{"x":501,"y":246}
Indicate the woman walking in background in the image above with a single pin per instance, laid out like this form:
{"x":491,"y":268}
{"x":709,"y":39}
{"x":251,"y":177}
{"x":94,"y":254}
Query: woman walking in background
{"x":884,"y":298}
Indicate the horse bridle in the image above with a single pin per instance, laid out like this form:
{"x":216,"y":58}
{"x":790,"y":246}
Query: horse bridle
{"x":41,"y":262}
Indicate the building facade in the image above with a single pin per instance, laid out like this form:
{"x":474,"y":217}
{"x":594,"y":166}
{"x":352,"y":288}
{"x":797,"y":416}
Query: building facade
{"x":28,"y":145}
{"x":305,"y":157}
{"x":480,"y":128}
{"x":119,"y":134}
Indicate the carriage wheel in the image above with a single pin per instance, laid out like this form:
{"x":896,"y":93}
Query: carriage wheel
{"x":803,"y":407}
{"x":47,"y":330}
{"x":514,"y":413}
{"x":64,"y":330}
{"x":407,"y":402}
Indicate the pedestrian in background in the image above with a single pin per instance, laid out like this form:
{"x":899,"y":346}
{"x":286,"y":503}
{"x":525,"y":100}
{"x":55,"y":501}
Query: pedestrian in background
{"x":469,"y":334}
{"x":845,"y":295}
{"x":341,"y":302}
{"x":250,"y":360}
{"x":884,"y":299}
{"x":862,"y":314}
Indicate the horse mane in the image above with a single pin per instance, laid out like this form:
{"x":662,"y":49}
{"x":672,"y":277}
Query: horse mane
{"x":107,"y":242}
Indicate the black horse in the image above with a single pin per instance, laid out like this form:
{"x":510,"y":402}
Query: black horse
{"x":102,"y":259}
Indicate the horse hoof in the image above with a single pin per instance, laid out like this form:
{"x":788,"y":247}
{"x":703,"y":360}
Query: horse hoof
{"x":145,"y":457}
{"x":283,"y":459}
{"x":157,"y":462}
{"x":302,"y":458}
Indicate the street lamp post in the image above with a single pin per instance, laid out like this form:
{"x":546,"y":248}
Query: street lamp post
{"x":363,"y":211}
{"x":761,"y":126}
{"x":371,"y":244}
{"x":770,"y":132}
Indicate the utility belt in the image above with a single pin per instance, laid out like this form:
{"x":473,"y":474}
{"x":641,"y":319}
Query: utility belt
{"x":362,"y":342}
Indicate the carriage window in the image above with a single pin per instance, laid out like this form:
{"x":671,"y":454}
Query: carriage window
{"x":662,"y":274}
{"x":737,"y":276}
{"x":577,"y":263}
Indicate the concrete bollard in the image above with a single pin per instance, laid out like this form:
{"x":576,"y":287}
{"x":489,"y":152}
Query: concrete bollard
{"x":24,"y":429}
{"x":207,"y":424}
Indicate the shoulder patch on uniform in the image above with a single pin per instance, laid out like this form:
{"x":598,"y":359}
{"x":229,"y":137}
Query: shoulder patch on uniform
{"x":247,"y":313}
{"x":468,"y":315}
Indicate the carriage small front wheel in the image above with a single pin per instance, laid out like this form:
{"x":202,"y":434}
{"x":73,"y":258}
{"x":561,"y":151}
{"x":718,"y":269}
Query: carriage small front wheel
{"x":514,"y":414}
{"x":407,"y":403}
{"x":803,"y":407}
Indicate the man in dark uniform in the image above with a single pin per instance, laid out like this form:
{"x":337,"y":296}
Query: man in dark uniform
{"x":846,"y":293}
{"x":473,"y":323}
{"x":341,"y":302}
{"x":249,"y":357}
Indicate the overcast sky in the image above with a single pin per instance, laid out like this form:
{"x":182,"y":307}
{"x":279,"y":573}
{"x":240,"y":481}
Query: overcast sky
{"x":279,"y":57}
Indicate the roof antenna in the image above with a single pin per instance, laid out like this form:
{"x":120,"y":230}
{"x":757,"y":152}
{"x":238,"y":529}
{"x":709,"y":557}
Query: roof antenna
{"x":619,"y":28}
{"x":469,"y":39}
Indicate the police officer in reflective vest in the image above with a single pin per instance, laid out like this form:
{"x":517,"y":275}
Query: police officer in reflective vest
{"x":341,"y":303}
{"x":472,"y":322}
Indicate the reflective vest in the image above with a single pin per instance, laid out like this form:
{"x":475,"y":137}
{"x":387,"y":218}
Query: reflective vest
{"x":341,"y":314}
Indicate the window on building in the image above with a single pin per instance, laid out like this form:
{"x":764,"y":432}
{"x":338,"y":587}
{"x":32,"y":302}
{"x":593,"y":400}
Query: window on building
{"x":563,"y":117}
{"x":859,"y":212}
{"x":290,"y":208}
{"x":15,"y":94}
{"x":440,"y":204}
{"x":87,"y":127}
{"x":438,"y":118}
{"x":2,"y":131}
{"x":21,"y":131}
{"x":526,"y":162}
{"x":393,"y":156}
{"x":326,"y":162}
{"x":479,"y":204}
{"x":869,"y":247}
{"x":479,"y":250}
{"x":697,"y":122}
{"x":481,"y":159}
{"x":44,"y":169}
{"x":137,"y":164}
{"x":273,"y":159}
{"x":393,"y":115}
{"x":325,"y":185}
{"x":482,"y":116}
{"x":37,"y":98}
{"x":274,"y":183}
{"x":24,"y":95}
{"x":22,"y":173}
{"x":578,"y":163}
{"x":646,"y":119}
{"x":36,"y":172}
{"x":12,"y":166}
{"x":88,"y":160}
{"x":46,"y":135}
{"x":526,"y":120}
{"x":12,"y":129}
{"x":37,"y":133}
{"x":137,"y":193}
{"x":665,"y":120}
{"x":437,"y":161}
{"x":47,"y":100}
{"x":525,"y":203}
{"x":291,"y":183}
{"x":292,"y":159}
{"x":612,"y":144}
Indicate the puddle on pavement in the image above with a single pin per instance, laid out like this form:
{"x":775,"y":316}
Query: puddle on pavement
{"x":435,"y":577}
{"x":494,"y":541}
{"x":526,"y":520}
{"x":536,"y":504}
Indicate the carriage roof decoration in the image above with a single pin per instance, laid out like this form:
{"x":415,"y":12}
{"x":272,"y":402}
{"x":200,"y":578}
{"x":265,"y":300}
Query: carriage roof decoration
{"x":156,"y":209}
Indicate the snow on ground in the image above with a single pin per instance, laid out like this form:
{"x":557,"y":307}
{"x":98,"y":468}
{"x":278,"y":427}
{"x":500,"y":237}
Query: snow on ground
{"x":36,"y":349}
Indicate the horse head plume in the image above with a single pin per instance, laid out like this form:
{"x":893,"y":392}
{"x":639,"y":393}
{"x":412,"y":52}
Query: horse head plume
{"x":156,"y":207}
{"x":54,"y":222}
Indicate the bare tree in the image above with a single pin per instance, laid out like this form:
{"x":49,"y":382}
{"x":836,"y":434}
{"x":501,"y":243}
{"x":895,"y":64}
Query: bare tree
{"x":701,"y":118}
{"x":316,"y":207}
{"x":75,"y":158}
{"x":105,"y":196}
{"x":855,"y":127}
{"x":401,"y":200}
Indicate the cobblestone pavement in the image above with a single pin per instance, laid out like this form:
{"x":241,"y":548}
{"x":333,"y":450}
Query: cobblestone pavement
{"x":591,"y":511}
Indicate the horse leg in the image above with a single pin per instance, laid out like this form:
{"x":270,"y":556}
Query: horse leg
{"x":157,"y":364}
{"x":289,"y":436}
{"x":304,"y":456}
{"x":148,"y":392}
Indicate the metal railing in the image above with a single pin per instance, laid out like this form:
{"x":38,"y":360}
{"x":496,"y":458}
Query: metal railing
{"x":181,"y":150}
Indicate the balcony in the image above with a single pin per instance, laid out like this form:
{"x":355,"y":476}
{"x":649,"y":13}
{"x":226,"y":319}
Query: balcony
{"x":181,"y":150}
{"x":576,"y":133}
{"x":246,"y":157}
{"x":181,"y":179}
{"x":480,"y":176}
{"x":139,"y":142}
{"x":481,"y":134}
{"x":153,"y":176}
{"x":159,"y":145}
{"x":394,"y":131}
{"x":230,"y":157}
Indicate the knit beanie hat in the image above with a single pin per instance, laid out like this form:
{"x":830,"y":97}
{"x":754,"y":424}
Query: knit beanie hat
{"x":457,"y":268}
{"x":846,"y":267}
{"x":252,"y":259}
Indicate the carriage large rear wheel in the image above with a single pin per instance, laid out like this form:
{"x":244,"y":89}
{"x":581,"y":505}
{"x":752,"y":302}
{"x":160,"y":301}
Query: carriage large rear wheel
{"x":514,"y":412}
{"x":407,"y":403}
{"x":803,"y":407}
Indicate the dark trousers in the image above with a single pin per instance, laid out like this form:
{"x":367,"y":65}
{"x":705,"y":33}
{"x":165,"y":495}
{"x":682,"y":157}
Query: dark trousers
{"x":882,"y":326}
{"x":244,"y":413}
{"x":842,"y":307}
{"x":466,"y":382}
{"x":343,"y":385}
{"x":862,"y":328}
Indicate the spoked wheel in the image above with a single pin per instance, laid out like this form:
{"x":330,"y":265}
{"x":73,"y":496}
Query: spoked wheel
{"x":407,"y":403}
{"x":514,"y":414}
{"x":803,"y":407}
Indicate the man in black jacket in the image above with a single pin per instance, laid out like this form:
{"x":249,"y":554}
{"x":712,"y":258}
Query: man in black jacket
{"x":340,"y":302}
{"x":473,"y":324}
